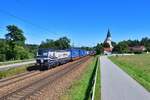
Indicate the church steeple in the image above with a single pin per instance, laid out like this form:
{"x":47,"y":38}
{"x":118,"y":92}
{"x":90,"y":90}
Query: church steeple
{"x":107,"y":44}
{"x":108,"y":37}
{"x":108,"y":33}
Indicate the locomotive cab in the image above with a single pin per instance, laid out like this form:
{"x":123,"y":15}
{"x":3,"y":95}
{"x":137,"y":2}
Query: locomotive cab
{"x":51,"y":58}
{"x":45,"y":57}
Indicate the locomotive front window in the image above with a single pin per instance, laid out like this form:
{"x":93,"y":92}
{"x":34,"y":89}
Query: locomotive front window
{"x":42,"y":53}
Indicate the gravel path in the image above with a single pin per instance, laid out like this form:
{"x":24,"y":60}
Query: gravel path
{"x":5,"y":67}
{"x":117,"y":85}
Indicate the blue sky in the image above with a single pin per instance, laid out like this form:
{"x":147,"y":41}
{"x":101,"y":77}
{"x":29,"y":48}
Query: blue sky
{"x":85,"y":22}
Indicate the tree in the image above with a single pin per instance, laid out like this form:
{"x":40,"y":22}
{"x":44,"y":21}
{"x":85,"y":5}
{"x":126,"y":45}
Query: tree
{"x":87,"y":48}
{"x":61,"y":43}
{"x":21,"y":53}
{"x":15,"y":36}
{"x":16,"y":44}
{"x":146,"y":42}
{"x":49,"y":43}
{"x":121,"y":47}
{"x":99,"y":48}
{"x":3,"y":46}
{"x":113,"y":43}
{"x":32,"y":48}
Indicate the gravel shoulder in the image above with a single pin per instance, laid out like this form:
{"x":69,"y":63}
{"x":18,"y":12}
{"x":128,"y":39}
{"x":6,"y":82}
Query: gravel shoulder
{"x":117,"y":85}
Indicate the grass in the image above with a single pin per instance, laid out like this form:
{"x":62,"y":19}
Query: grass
{"x":137,"y":66}
{"x":98,"y":84}
{"x":13,"y":71}
{"x":80,"y":88}
{"x":15,"y":61}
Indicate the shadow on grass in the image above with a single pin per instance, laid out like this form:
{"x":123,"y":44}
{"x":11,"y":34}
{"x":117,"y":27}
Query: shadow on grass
{"x":91,"y":82}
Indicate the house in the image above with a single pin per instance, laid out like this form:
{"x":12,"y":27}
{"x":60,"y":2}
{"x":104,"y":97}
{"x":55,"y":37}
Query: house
{"x":137,"y":49}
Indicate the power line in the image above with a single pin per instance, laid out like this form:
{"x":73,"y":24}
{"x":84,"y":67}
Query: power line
{"x":26,"y":21}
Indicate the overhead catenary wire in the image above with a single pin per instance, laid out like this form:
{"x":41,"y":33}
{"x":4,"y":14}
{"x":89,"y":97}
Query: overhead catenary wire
{"x":26,"y":21}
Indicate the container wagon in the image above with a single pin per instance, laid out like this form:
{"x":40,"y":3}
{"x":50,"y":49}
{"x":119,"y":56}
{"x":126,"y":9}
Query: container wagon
{"x":48,"y":58}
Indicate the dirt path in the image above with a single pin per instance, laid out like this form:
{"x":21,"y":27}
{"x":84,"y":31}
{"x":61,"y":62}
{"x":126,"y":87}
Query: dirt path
{"x":117,"y":85}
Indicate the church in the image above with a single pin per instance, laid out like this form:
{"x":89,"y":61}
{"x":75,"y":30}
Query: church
{"x":107,"y":45}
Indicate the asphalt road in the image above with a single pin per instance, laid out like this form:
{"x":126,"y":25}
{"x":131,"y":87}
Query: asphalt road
{"x":117,"y":85}
{"x":5,"y":67}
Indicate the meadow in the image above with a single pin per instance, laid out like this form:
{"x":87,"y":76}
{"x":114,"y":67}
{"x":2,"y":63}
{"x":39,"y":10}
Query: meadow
{"x":137,"y":66}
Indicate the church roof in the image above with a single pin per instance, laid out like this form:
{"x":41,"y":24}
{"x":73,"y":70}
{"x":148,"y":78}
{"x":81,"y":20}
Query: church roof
{"x":108,"y":34}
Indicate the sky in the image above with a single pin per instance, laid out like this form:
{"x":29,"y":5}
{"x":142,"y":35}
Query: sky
{"x":85,"y":22}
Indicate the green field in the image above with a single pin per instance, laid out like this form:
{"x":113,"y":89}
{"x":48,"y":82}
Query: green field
{"x":14,"y":71}
{"x":81,"y":88}
{"x":137,"y":66}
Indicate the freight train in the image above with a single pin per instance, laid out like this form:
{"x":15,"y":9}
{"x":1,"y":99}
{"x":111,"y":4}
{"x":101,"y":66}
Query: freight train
{"x":49,"y":58}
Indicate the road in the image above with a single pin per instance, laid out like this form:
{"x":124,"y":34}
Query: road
{"x":5,"y":67}
{"x":117,"y":85}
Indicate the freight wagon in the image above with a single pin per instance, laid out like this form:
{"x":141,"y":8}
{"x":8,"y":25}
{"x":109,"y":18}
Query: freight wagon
{"x":48,"y":58}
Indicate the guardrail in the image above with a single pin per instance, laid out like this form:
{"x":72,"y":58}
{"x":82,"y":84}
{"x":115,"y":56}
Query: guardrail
{"x":94,"y":81}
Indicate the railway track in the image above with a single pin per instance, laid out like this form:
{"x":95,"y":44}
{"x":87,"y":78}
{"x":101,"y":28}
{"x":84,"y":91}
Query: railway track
{"x":13,"y":77}
{"x":39,"y":82}
{"x":18,"y":78}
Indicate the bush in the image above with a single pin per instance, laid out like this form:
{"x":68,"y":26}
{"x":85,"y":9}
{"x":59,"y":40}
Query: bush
{"x":2,"y":57}
{"x":21,"y":53}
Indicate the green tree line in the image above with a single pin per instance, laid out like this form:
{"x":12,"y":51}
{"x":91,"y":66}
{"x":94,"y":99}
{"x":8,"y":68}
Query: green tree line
{"x":123,"y":46}
{"x":61,"y":43}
